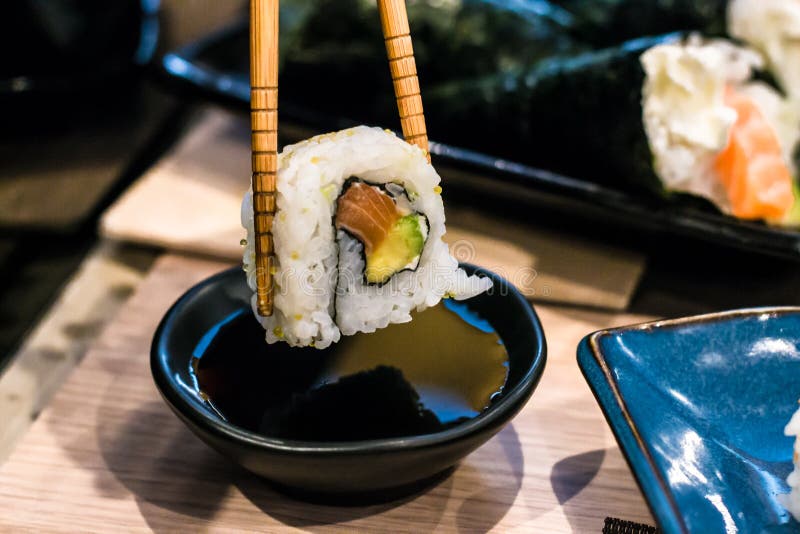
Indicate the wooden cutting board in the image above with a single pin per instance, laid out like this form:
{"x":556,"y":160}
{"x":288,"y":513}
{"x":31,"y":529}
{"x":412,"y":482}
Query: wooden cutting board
{"x":108,"y":455}
{"x":190,"y":201}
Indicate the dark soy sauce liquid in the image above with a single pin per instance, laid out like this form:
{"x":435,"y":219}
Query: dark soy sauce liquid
{"x":442,"y":368}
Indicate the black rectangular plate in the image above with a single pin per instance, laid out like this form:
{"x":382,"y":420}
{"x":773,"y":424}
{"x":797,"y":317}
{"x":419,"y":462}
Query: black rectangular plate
{"x":204,"y":68}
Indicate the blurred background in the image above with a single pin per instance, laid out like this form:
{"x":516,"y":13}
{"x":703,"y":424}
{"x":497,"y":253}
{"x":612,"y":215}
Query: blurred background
{"x":126,"y":122}
{"x":84,"y":113}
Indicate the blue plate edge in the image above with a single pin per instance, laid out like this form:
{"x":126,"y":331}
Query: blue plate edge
{"x":605,"y":390}
{"x":662,"y":506}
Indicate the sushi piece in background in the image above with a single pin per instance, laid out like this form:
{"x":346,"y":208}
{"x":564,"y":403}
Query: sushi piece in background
{"x":715,"y":132}
{"x":358,"y":238}
{"x":770,"y":26}
{"x":666,"y":115}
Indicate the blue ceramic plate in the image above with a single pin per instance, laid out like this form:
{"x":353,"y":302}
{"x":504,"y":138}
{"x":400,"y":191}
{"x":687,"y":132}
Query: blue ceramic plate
{"x":698,"y":406}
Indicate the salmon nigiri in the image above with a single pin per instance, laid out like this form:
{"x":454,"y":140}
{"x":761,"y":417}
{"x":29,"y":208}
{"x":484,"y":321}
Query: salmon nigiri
{"x":392,"y":236}
{"x":751,"y":167}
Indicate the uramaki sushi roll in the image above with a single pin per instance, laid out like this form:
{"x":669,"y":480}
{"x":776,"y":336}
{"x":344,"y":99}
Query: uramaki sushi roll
{"x":357,"y":236}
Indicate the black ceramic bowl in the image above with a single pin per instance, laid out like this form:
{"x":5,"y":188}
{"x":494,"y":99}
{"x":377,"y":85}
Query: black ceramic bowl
{"x":371,"y":467}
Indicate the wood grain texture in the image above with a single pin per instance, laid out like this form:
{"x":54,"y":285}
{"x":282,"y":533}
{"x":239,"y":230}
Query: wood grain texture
{"x":403,"y":68}
{"x":52,"y":349}
{"x":108,"y":455}
{"x":264,"y":139}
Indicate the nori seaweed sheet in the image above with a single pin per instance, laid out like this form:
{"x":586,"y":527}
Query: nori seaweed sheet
{"x":610,"y":22}
{"x":580,"y":115}
{"x":347,"y":184}
{"x":554,"y":84}
{"x":519,"y":79}
{"x":333,"y":59}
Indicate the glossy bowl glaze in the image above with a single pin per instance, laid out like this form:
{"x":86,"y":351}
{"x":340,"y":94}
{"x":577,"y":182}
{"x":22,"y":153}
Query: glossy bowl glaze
{"x":698,"y":406}
{"x":370,"y":469}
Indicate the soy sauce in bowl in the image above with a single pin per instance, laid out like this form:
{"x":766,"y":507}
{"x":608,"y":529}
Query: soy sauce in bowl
{"x":372,"y":418}
{"x":443,"y":368}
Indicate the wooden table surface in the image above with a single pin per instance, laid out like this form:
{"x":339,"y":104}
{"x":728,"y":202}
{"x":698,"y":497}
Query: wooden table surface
{"x":108,"y":455}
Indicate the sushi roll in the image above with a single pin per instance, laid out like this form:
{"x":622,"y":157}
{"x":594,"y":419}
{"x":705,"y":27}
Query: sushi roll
{"x":791,"y":501}
{"x":357,"y":236}
{"x":558,"y":124}
{"x":666,"y":115}
{"x":715,"y":132}
{"x":772,"y":27}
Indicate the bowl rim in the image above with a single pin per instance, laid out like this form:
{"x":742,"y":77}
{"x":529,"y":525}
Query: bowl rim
{"x":494,"y":416}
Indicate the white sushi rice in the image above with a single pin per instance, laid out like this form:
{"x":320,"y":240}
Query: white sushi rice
{"x":772,"y":27}
{"x":685,"y":117}
{"x":320,"y":292}
{"x":684,"y":114}
{"x":791,"y":501}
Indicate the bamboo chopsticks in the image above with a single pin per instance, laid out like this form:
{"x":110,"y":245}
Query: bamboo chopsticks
{"x":397,"y":36}
{"x":264,"y":117}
